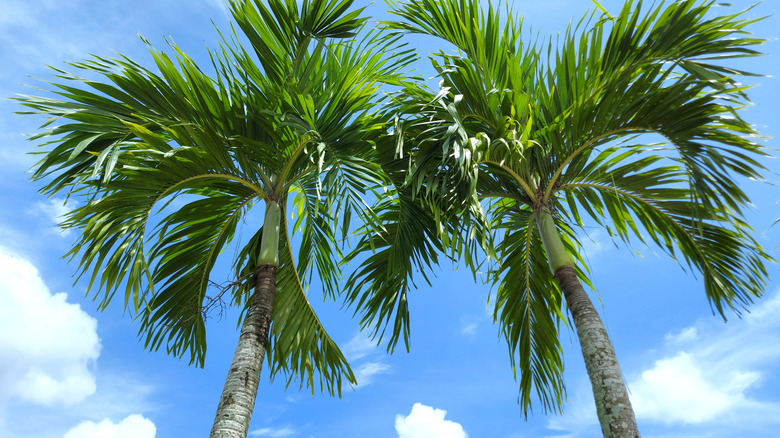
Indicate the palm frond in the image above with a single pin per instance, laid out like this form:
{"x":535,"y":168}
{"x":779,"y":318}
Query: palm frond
{"x":528,"y":306}
{"x":642,"y":72}
{"x":280,"y":35}
{"x":636,"y":198}
{"x":316,"y":222}
{"x":378,"y":288}
{"x":186,"y":246}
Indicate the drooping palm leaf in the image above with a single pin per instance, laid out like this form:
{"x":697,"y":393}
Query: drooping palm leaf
{"x":299,"y":346}
{"x":640,"y":198}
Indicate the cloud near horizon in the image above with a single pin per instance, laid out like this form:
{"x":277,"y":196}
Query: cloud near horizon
{"x":48,"y":353}
{"x":48,"y":346}
{"x":133,"y":426}
{"x":425,"y":422}
{"x":703,"y":381}
{"x":710,"y":369}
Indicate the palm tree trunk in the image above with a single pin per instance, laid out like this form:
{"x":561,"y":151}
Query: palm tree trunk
{"x":238,"y":397}
{"x":609,"y":389}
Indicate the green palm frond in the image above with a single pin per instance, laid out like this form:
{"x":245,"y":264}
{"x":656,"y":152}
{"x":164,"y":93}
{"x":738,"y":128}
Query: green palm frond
{"x":138,"y":114}
{"x":166,"y":280}
{"x":528,"y":310}
{"x":644,"y":72}
{"x":561,"y":127}
{"x":116,"y":223}
{"x":280,"y":34}
{"x":302,"y":109}
{"x":404,"y":237}
{"x":528,"y":306}
{"x":494,"y":72}
{"x":378,"y":288}
{"x":300,"y":345}
{"x":483,"y":36}
{"x":319,"y":251}
{"x":186,"y":246}
{"x":640,"y":199}
{"x":682,"y":32}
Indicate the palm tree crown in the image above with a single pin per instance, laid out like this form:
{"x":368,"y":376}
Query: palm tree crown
{"x":171,"y":161}
{"x":546,"y":137}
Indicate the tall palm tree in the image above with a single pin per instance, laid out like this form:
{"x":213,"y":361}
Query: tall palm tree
{"x":171,"y":162}
{"x":544,"y":137}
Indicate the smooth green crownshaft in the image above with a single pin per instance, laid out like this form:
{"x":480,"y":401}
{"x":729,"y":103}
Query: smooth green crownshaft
{"x":557,"y":256}
{"x":269,"y":245}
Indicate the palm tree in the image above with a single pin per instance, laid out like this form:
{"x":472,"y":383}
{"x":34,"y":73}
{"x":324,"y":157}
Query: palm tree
{"x":171,"y":162}
{"x":548,"y":138}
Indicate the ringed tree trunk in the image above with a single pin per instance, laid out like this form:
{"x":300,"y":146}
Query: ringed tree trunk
{"x":238,"y":397}
{"x":609,"y":389}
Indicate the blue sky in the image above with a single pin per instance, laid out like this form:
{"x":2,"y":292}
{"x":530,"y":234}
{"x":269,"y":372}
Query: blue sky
{"x":68,"y":371}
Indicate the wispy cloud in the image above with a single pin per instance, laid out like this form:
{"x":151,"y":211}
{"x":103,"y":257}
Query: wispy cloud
{"x":29,"y":48}
{"x":366,"y":372}
{"x":685,"y":335}
{"x":366,"y":358}
{"x":359,"y":347}
{"x":468,"y":325}
{"x":579,"y":418}
{"x":468,"y":328}
{"x":53,"y":211}
{"x":220,"y":5}
{"x":273,"y":432}
{"x":595,"y":242}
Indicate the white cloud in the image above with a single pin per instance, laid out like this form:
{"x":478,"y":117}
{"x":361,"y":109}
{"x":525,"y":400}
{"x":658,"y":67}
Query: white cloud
{"x":765,"y":312}
{"x":425,"y":422}
{"x":17,"y":13}
{"x":595,"y":243}
{"x":703,"y":382}
{"x":219,"y":5}
{"x":28,"y":47}
{"x":468,"y":325}
{"x":679,"y":389}
{"x":685,"y":335}
{"x":54,"y":211}
{"x":47,"y":345}
{"x":276,"y":433}
{"x":133,"y":426}
{"x":118,"y":395}
{"x":580,"y":413}
{"x":710,"y":368}
{"x":469,"y":329}
{"x":14,"y":158}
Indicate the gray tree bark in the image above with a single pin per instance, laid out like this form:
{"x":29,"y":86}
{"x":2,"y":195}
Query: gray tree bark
{"x":609,"y":389}
{"x":238,"y":397}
